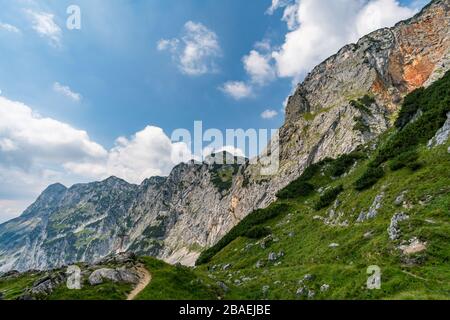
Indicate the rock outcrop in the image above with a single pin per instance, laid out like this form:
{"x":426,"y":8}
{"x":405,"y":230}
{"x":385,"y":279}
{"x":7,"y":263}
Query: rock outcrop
{"x":346,"y":101}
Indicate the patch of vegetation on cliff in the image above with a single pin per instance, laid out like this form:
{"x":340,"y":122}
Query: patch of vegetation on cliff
{"x":254,"y":219}
{"x":222,"y":176}
{"x":328,"y":197}
{"x":434,"y":104}
{"x":363,"y":104}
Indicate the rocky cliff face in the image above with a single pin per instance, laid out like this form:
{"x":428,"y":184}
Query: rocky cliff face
{"x":346,"y":101}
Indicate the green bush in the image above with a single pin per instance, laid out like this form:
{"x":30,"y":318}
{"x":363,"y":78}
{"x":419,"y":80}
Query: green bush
{"x":258,"y":232}
{"x":434,"y":102}
{"x":403,"y":160}
{"x":296,"y":189}
{"x":254,"y":219}
{"x":360,"y":125}
{"x":342,"y":164}
{"x":369,"y":178}
{"x":415,"y":166}
{"x":410,"y":107}
{"x":363,"y":103}
{"x":328,"y":197}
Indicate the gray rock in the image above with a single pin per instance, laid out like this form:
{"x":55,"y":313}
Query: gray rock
{"x":442,"y":135}
{"x":394,"y":230}
{"x":223,"y":286}
{"x":273,"y":256}
{"x":309,"y":277}
{"x":226,"y":267}
{"x":301,"y":291}
{"x":259,"y":264}
{"x":373,"y":210}
{"x":311,"y":294}
{"x":325,"y":287}
{"x":400,"y":199}
{"x":334,"y":245}
{"x":265,"y":289}
{"x":368,"y":234}
{"x":115,"y":275}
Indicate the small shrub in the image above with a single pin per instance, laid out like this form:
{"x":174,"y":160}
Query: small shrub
{"x":410,"y":108}
{"x":296,"y":189}
{"x":363,"y":104}
{"x":415,"y":166}
{"x":328,"y":197}
{"x":369,"y":178}
{"x":434,"y":103}
{"x":403,"y":160}
{"x":342,"y":164}
{"x":257,"y":232}
{"x":360,"y":125}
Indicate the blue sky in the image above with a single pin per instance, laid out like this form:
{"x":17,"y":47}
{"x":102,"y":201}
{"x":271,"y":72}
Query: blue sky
{"x":79,"y":105}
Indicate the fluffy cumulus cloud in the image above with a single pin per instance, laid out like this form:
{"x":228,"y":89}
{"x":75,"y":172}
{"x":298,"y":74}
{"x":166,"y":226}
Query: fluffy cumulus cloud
{"x":318,"y":28}
{"x":269,"y":114}
{"x":147,"y":153}
{"x":195,"y":51}
{"x":66,"y":91}
{"x":258,"y":67}
{"x":237,"y":89}
{"x":36,"y":151}
{"x":44,"y":24}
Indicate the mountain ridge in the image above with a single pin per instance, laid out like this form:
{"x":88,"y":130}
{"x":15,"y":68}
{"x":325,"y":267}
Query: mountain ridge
{"x":346,"y":101}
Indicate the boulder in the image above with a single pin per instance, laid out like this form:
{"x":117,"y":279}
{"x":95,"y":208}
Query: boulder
{"x":394,"y":230}
{"x":115,"y":275}
{"x":414,"y":246}
{"x":325,"y":287}
{"x":223,"y":286}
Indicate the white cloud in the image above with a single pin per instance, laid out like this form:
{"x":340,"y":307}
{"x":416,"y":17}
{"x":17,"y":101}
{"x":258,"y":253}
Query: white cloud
{"x":258,"y":67}
{"x":168,"y":44}
{"x":10,"y":209}
{"x":321,"y":27}
{"x":9,"y":28}
{"x":237,"y":89}
{"x":45,"y":26}
{"x":148,"y":153}
{"x":37,"y":151}
{"x":66,"y":91}
{"x":269,"y":114}
{"x":380,"y":13}
{"x":34,"y":148}
{"x":27,"y":137}
{"x":276,"y":4}
{"x":195,"y":52}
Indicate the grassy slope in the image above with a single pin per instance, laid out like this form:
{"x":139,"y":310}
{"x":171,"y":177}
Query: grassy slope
{"x":306,"y":240}
{"x":168,"y":283}
{"x":177,"y":283}
{"x":344,"y":268}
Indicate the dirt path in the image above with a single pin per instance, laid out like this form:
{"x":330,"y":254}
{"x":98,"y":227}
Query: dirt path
{"x":144,"y":281}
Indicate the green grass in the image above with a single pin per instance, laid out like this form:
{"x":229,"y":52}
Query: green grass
{"x":13,"y":288}
{"x":177,"y":283}
{"x":104,"y":291}
{"x":254,"y":219}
